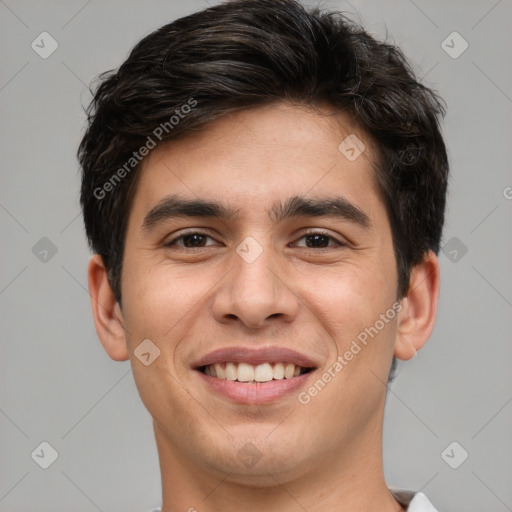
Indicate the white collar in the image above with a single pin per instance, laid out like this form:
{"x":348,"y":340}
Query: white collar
{"x":415,"y":501}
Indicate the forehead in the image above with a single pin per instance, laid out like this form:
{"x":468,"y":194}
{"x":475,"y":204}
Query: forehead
{"x":253,"y":157}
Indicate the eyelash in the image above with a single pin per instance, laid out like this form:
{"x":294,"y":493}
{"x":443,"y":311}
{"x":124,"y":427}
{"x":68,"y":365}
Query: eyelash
{"x":308,"y":233}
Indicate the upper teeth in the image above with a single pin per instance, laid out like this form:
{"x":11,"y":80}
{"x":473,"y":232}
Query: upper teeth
{"x":244,"y":372}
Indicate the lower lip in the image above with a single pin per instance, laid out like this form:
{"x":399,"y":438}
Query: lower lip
{"x":255,"y":392}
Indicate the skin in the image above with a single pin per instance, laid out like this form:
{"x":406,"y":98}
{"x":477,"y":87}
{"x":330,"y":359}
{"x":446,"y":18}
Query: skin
{"x":326,"y":454}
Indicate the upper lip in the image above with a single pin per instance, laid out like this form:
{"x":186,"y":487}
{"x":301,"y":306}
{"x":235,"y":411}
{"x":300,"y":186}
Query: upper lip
{"x":255,"y":356}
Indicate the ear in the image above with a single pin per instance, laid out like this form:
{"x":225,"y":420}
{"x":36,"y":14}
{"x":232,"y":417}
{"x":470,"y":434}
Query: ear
{"x":419,"y":307}
{"x":107,"y":314}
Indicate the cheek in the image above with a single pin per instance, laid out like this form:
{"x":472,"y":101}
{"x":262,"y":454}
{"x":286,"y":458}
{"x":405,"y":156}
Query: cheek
{"x":159,"y":307}
{"x":351,"y":312}
{"x":157,"y":297}
{"x":349,"y":300}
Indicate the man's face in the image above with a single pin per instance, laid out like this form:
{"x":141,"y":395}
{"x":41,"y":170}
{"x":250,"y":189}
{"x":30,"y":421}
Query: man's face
{"x":264,"y":290}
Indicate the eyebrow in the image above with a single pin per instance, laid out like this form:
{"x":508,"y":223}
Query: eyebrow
{"x":174,"y":206}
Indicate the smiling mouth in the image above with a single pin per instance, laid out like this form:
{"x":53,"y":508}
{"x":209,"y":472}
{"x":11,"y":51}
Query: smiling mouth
{"x":248,"y":373}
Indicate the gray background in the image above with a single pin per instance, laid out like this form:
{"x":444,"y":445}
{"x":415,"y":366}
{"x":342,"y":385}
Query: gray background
{"x":58,"y":385}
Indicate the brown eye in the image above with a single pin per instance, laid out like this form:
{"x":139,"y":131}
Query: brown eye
{"x":320,"y":240}
{"x":195,"y":239}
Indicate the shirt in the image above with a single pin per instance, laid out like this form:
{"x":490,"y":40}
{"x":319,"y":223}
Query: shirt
{"x":415,"y":501}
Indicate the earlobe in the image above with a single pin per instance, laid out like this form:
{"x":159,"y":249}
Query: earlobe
{"x":108,"y":317}
{"x":418,"y":314}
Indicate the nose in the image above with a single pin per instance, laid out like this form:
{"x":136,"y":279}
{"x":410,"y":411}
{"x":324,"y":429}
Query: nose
{"x":257,"y":291}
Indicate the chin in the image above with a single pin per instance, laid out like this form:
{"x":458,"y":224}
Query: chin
{"x":259,"y":461}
